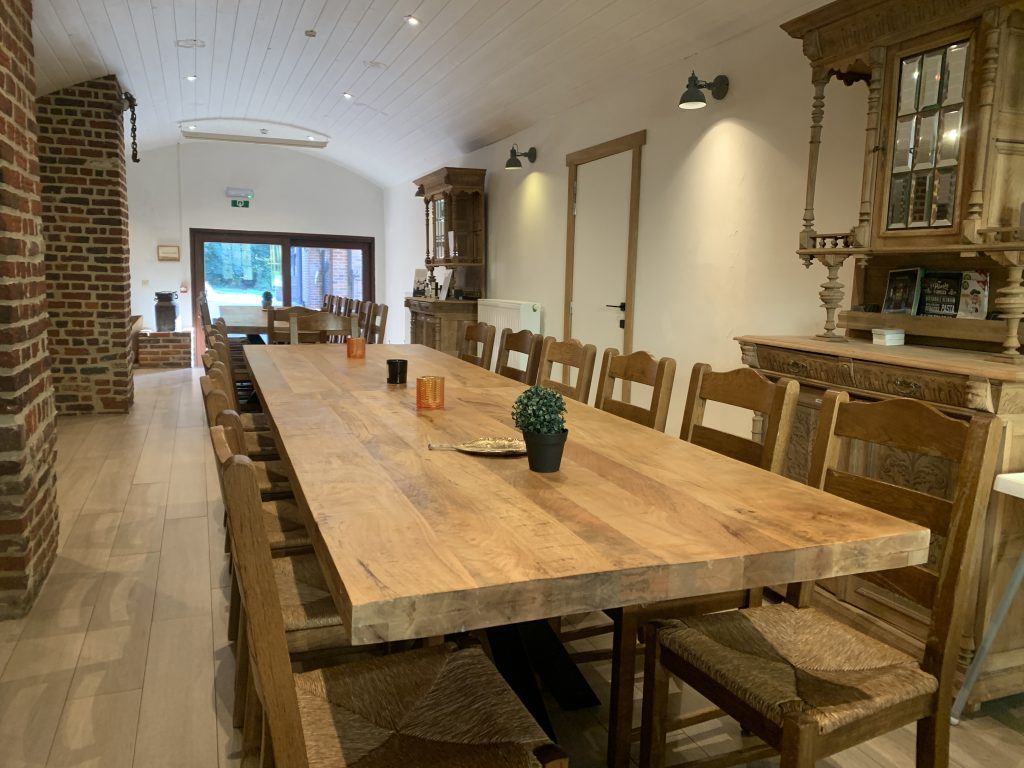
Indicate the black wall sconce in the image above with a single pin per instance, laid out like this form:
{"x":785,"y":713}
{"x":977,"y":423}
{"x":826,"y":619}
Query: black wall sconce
{"x":692,"y":97}
{"x":514,"y":163}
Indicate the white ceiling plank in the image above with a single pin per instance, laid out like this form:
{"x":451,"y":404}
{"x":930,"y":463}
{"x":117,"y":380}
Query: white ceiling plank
{"x":120,"y":16}
{"x":48,"y":21}
{"x":256,"y":53}
{"x":282,"y":33}
{"x":221,"y":44}
{"x":50,"y":71}
{"x":245,"y":23}
{"x":294,"y":47}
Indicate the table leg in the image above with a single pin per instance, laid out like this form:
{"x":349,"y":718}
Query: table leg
{"x":510,"y":657}
{"x":620,"y":714}
{"x":556,"y":669}
{"x":974,"y":671}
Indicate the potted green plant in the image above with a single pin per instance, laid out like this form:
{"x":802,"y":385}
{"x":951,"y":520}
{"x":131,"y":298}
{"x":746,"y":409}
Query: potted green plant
{"x":268,"y":299}
{"x":538,"y":413}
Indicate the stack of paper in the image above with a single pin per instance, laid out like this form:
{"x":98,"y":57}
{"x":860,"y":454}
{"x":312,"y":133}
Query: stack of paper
{"x":888,"y":337}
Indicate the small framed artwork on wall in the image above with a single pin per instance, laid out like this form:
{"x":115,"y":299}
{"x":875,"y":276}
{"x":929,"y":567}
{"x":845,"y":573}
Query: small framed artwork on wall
{"x":168,"y":253}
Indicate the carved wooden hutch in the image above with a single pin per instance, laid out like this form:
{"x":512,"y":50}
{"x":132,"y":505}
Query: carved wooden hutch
{"x":942,"y":189}
{"x":456,"y":236}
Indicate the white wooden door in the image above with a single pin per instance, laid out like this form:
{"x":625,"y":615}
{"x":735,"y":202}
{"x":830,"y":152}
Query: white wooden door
{"x":601,"y":252}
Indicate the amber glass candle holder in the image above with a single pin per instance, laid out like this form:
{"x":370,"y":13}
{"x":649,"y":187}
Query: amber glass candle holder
{"x":430,"y":392}
{"x":356,"y":347}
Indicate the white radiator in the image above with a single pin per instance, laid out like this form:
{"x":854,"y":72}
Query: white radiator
{"x":502,"y":313}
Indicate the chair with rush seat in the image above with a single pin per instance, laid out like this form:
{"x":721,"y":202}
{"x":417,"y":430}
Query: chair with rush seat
{"x":806,"y":684}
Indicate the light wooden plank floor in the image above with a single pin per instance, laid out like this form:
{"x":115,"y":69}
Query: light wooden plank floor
{"x":124,"y":659}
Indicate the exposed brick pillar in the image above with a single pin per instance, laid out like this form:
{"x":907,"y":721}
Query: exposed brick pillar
{"x":85,"y":225}
{"x":28,"y":505}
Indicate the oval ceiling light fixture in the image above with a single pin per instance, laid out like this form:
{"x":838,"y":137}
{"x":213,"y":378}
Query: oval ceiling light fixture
{"x":253,"y":131}
{"x":411,"y":20}
{"x":692,"y":97}
{"x":347,"y":95}
{"x":190,"y":42}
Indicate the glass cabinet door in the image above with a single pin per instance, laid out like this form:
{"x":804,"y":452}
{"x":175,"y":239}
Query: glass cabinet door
{"x":926,"y":143}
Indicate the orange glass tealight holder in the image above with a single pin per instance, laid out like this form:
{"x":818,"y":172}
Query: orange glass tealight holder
{"x":356,"y":347}
{"x":429,"y":392}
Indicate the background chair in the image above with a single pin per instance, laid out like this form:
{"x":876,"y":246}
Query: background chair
{"x":570,"y":354}
{"x":376,"y":324}
{"x":774,"y":403}
{"x":282,"y":314}
{"x":476,"y":343}
{"x":637,"y":368}
{"x":317,"y":328}
{"x":525,"y":342}
{"x":809,"y":685}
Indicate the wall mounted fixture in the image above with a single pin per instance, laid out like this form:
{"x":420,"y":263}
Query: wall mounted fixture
{"x":692,"y":97}
{"x":514,"y":163}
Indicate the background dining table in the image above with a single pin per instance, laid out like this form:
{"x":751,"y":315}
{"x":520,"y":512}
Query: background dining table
{"x":417,"y":543}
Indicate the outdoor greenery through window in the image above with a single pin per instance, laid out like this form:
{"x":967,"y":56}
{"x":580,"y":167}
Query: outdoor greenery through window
{"x":237,"y":268}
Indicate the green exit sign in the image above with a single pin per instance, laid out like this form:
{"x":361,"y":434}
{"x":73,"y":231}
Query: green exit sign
{"x":239,"y":203}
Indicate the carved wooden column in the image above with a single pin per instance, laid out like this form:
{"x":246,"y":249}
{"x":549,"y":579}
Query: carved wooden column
{"x":820,"y":79}
{"x":872,"y":148}
{"x":1010,"y":302}
{"x":983,"y":120}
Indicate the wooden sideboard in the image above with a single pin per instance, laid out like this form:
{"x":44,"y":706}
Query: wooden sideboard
{"x":959,"y":382}
{"x":435,"y":323}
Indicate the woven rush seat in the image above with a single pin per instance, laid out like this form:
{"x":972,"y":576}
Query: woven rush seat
{"x":311,"y":621}
{"x":272,"y":477}
{"x":431,"y":708}
{"x":260,"y":445}
{"x":285,"y":526}
{"x":782,"y":660}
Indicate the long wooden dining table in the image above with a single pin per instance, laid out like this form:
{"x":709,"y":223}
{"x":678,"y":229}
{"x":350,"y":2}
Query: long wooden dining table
{"x":247,"y":319}
{"x":418,"y":543}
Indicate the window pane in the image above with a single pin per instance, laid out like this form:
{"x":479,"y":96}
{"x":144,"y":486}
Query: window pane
{"x":899,"y":193}
{"x":949,"y":141}
{"x":904,"y":143}
{"x":319,"y":272}
{"x":920,"y":199}
{"x":924,"y":152}
{"x":943,"y":195}
{"x":909,"y":73}
{"x":956,"y":68}
{"x":239,"y":273}
{"x":931,"y":80}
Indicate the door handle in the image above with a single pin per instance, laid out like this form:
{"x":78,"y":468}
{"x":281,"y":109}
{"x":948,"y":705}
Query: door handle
{"x":621,"y":306}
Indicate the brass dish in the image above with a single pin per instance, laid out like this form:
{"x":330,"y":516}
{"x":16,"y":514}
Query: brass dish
{"x":488,"y":446}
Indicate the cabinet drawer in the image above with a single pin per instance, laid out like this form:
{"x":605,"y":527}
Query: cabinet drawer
{"x":830,"y":370}
{"x":931,"y":386}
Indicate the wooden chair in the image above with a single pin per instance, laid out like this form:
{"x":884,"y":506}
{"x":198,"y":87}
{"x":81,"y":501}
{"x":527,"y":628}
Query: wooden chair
{"x":637,"y":368}
{"x":571,"y":354}
{"x":776,"y":403}
{"x":317,"y":328}
{"x":472,"y":335}
{"x":204,"y":310}
{"x":417,"y":701}
{"x":807,"y":684}
{"x":771,"y":402}
{"x":526,"y":343}
{"x":283,"y":314}
{"x":376,"y":323}
{"x":258,"y":445}
{"x":251,"y":422}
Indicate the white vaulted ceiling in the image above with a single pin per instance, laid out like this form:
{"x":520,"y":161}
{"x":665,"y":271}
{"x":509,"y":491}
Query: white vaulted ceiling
{"x":473,"y":72}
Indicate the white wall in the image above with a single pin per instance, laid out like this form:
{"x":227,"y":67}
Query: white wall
{"x":721,"y":204}
{"x":180,"y":187}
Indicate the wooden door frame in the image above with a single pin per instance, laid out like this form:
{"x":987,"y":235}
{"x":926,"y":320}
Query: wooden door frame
{"x":287,"y":240}
{"x":633,"y":143}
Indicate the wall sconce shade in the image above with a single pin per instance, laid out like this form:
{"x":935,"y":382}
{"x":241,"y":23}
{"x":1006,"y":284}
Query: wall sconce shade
{"x":514,"y":163}
{"x":692,"y":97}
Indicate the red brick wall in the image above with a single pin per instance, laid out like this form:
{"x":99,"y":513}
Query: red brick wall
{"x":165,"y":349}
{"x":28,"y":506}
{"x":85,"y":225}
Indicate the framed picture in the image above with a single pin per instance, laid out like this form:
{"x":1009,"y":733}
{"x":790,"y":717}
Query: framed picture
{"x":419,"y":283}
{"x":168,"y":253}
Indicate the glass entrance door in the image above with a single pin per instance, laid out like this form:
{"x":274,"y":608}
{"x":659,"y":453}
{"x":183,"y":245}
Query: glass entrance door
{"x":318,"y":271}
{"x":239,"y":273}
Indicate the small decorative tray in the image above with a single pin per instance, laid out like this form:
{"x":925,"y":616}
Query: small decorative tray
{"x":491,"y":446}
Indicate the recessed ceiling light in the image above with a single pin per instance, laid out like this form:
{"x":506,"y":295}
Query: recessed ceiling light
{"x":412,"y":21}
{"x":191,"y":127}
{"x":191,"y":78}
{"x":190,"y":42}
{"x":347,"y":95}
{"x":311,"y":138}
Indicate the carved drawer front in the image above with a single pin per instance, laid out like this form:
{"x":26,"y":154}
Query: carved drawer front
{"x":824,"y":368}
{"x":940,"y":388}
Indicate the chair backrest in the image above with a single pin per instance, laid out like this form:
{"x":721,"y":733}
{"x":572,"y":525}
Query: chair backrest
{"x":376,"y":323}
{"x":221,"y":378}
{"x":215,"y":400}
{"x":317,"y":328}
{"x":637,"y":368}
{"x":204,"y":310}
{"x":258,"y":592}
{"x":910,"y":426}
{"x":526,"y":343}
{"x":472,"y":335}
{"x":742,"y":388}
{"x":571,"y":354}
{"x":283,"y":314}
{"x":327,"y":303}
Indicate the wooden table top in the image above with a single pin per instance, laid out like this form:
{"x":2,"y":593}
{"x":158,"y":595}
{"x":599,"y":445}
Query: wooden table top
{"x":246,"y":319}
{"x":418,"y":543}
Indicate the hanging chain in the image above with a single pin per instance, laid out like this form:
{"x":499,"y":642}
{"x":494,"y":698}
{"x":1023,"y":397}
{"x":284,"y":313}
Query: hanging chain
{"x":135,"y":137}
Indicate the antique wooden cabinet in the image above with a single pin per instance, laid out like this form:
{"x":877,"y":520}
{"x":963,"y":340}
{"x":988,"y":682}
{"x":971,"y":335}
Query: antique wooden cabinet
{"x":942,"y":188}
{"x":456,"y":237}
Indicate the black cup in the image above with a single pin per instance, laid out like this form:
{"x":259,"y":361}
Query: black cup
{"x":397,"y":371}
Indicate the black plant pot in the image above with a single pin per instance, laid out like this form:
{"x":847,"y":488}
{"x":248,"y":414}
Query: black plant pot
{"x":544,"y":452}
